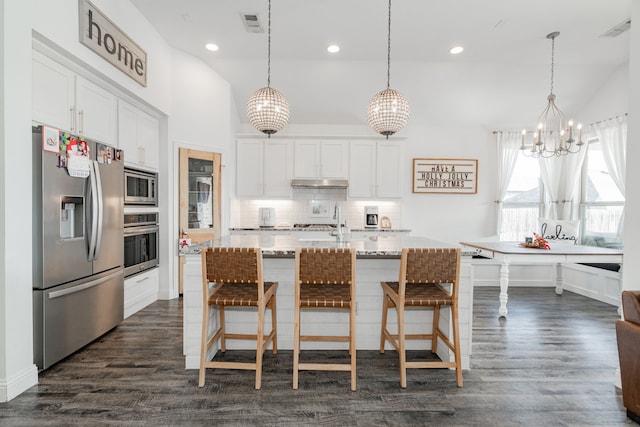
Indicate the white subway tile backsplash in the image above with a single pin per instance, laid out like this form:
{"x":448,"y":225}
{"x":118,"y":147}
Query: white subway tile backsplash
{"x":244,"y":213}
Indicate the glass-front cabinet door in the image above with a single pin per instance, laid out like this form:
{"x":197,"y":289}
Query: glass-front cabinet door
{"x":199,"y":195}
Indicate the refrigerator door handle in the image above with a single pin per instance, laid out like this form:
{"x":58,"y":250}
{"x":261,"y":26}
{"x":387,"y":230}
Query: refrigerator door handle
{"x":94,"y":212}
{"x":78,"y":288}
{"x":100,"y":210}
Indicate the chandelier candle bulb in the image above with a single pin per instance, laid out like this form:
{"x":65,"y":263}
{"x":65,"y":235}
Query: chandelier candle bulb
{"x":580,"y":134}
{"x":570,"y":140}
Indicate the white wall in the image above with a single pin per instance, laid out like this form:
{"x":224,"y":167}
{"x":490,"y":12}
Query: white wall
{"x":631,"y":269}
{"x":201,"y":118}
{"x":447,"y":217}
{"x":610,"y":100}
{"x":204,"y":117}
{"x":17,"y":371}
{"x":451,"y":217}
{"x":57,"y":21}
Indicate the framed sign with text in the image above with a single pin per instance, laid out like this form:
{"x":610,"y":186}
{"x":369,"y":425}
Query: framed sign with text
{"x":447,"y":176}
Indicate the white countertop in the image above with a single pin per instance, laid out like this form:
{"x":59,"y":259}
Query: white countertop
{"x":284,"y":246}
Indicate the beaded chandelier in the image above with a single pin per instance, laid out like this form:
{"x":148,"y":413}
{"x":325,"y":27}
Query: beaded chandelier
{"x":268,"y":109}
{"x":388,"y":110}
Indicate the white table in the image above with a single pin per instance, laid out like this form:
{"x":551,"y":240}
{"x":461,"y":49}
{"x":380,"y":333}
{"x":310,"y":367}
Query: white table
{"x":510,"y":252}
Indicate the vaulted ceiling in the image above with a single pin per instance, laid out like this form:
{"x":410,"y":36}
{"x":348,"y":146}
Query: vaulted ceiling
{"x":501,"y":79}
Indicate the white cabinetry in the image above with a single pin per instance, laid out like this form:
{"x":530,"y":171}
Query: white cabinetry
{"x":321,"y":159}
{"x":138,"y":136}
{"x":140,"y":291}
{"x":263,"y":168}
{"x":375,"y":169}
{"x":64,"y":100}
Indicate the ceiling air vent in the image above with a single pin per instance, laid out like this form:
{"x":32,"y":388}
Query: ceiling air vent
{"x":251,"y":23}
{"x":618,"y":29}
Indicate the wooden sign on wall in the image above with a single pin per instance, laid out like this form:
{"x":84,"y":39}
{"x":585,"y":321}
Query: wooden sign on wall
{"x":447,"y":176}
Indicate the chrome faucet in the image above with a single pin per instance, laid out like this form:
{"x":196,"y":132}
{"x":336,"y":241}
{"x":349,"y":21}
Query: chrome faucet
{"x":337,"y":215}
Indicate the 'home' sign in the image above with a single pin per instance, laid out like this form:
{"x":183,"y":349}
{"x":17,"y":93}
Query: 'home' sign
{"x":102,"y":36}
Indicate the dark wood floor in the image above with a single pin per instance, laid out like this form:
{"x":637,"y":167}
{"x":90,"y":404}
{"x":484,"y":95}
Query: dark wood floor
{"x":552,"y":362}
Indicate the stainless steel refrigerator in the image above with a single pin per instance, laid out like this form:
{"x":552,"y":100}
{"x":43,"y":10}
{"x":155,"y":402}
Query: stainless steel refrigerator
{"x":78,"y":260}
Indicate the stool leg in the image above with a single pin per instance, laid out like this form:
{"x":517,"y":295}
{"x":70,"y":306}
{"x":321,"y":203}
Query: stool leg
{"x":203,"y":344}
{"x":223,"y":335}
{"x":259,"y":345}
{"x":296,"y":343}
{"x":402,"y":344}
{"x":274,"y":325}
{"x":385,"y":309}
{"x":456,"y":343}
{"x":352,"y":344}
{"x":434,"y":332}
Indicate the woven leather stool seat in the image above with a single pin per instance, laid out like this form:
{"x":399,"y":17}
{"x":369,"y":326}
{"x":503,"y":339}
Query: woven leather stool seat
{"x":236,"y":275}
{"x":238,"y":294}
{"x":422,"y":294}
{"x":336,"y":296}
{"x":429,"y":279}
{"x":325,"y":279}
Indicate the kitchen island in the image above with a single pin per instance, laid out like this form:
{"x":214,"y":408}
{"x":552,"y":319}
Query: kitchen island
{"x":378,"y":259}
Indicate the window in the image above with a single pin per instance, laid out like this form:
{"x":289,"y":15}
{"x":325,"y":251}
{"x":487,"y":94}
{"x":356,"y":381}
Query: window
{"x":523,"y":201}
{"x":602,"y":202}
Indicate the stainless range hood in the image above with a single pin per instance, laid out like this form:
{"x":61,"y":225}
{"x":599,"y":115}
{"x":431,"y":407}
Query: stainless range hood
{"x":319,"y":183}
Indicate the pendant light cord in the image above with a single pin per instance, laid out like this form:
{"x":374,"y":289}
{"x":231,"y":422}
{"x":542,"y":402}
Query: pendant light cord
{"x":553,"y":49}
{"x":269,"y":48}
{"x":389,"y":48}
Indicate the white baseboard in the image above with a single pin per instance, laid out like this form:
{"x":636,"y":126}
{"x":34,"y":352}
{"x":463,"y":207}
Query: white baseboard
{"x":12,"y":387}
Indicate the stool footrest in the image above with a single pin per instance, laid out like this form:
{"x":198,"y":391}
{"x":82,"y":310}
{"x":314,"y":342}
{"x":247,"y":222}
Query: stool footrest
{"x":324,"y":338}
{"x":430,"y":364}
{"x":324,"y":367}
{"x":231,"y":365}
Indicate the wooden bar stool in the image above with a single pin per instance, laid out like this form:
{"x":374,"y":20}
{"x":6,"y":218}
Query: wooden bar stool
{"x":424,"y":274}
{"x":325,"y":279}
{"x":237,"y":275}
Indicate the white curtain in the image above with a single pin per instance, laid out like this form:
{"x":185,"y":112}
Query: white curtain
{"x":612,"y":135}
{"x":508,"y":149}
{"x":561,"y":176}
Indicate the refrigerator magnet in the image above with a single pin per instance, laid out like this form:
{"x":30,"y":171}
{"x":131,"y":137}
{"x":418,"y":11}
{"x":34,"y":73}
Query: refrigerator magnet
{"x":50,"y":139}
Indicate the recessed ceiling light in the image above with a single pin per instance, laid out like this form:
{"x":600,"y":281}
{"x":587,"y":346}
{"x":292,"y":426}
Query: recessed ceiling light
{"x":456,"y":50}
{"x":334,"y":48}
{"x":211,"y":46}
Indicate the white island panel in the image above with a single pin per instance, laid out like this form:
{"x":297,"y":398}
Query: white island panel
{"x":377,"y":261}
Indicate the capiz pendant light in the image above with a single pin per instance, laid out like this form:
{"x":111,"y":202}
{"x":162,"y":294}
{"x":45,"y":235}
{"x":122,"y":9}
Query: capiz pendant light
{"x":268,"y":109}
{"x":388,"y":110}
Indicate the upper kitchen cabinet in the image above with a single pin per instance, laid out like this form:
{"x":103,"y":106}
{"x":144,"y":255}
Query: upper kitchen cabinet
{"x":138,"y":136}
{"x":63,"y":99}
{"x":321,"y":159}
{"x":263,"y":168}
{"x":375,"y":169}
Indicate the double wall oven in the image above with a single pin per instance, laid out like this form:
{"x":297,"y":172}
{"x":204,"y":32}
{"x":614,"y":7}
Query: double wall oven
{"x":141,"y":229}
{"x":141,"y":240}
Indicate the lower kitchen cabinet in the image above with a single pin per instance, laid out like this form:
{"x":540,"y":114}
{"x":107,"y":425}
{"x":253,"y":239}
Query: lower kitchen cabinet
{"x":140,"y":290}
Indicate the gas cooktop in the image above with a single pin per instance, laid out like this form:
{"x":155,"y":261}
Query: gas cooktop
{"x":316,"y":226}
